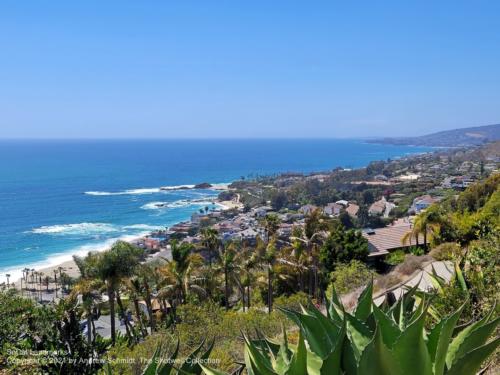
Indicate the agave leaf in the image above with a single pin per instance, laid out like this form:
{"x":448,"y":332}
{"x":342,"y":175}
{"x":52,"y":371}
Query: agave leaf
{"x":331,"y":365}
{"x":359,"y":334}
{"x":471,"y":362}
{"x":335,"y":309}
{"x":283,"y":356}
{"x":377,"y":358}
{"x":460,"y":277}
{"x":365,"y":301}
{"x":211,"y":371}
{"x":320,"y":339}
{"x":298,"y":363}
{"x":461,"y":337}
{"x":166,"y":367}
{"x":410,"y":350}
{"x":192,"y":366}
{"x":439,"y":340}
{"x":151,"y":367}
{"x":257,"y":361}
{"x":476,"y":338}
{"x":388,"y":329}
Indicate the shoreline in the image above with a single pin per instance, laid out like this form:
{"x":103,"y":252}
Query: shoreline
{"x":65,"y":260}
{"x":68,"y":265}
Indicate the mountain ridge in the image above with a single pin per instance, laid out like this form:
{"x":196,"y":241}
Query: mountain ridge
{"x":470,"y":136}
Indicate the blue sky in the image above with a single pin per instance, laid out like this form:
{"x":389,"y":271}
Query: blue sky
{"x":106,"y":69}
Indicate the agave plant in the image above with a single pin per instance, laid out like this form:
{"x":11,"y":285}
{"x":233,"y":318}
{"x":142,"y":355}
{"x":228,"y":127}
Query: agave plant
{"x":389,"y":340}
{"x":163,"y":363}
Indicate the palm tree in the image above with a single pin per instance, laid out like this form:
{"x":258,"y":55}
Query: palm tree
{"x":271,"y":224}
{"x":55,"y":281}
{"x":145,"y":273}
{"x":309,"y":239}
{"x":135,"y":289}
{"x":179,"y":274}
{"x":111,"y":267}
{"x":228,"y":264}
{"x":210,"y":239}
{"x":89,"y":290}
{"x":424,"y":224}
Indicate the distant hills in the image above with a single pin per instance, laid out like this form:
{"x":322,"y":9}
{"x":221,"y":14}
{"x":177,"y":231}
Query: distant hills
{"x":449,"y":138}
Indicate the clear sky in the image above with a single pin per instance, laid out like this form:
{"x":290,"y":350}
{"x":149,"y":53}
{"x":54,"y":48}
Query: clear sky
{"x":106,"y":69}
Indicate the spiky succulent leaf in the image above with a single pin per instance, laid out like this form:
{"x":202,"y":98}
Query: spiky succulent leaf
{"x":471,"y":362}
{"x":331,"y":365}
{"x":377,"y":358}
{"x":358,"y":333}
{"x":259,"y":363}
{"x":211,"y":371}
{"x":410,"y":350}
{"x":460,"y":338}
{"x":298,"y":362}
{"x":460,"y":277}
{"x":320,"y":336}
{"x":191,"y":364}
{"x":439,"y":340}
{"x":388,"y":329}
{"x":364,"y":306}
{"x":476,"y":338}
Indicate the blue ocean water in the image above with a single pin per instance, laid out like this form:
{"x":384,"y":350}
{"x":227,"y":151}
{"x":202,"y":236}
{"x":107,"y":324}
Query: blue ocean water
{"x":58,"y":198}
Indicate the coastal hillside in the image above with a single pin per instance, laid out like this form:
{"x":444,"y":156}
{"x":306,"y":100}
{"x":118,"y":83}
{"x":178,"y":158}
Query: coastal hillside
{"x":472,"y":136}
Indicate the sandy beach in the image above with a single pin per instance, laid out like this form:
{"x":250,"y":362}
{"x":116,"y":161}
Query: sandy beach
{"x":70,"y":268}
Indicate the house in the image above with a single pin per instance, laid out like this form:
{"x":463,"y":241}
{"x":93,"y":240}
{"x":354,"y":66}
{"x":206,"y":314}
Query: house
{"x":307,"y":209}
{"x":384,"y":240}
{"x":352,"y":210}
{"x":343,"y":202}
{"x":333,"y":209}
{"x":262,"y":211}
{"x":422,"y":202}
{"x":377,"y":208}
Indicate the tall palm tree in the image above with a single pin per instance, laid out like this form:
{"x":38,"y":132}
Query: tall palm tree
{"x":179,"y":278}
{"x":135,"y":289}
{"x":89,"y":290}
{"x":267,"y":254}
{"x":210,"y":239}
{"x":424,"y":225}
{"x":145,"y":274}
{"x":111,"y":267}
{"x":309,"y":239}
{"x":228,"y":263}
{"x":271,"y":223}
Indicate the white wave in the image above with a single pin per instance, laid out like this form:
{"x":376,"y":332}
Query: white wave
{"x":177,"y":187}
{"x":176,"y":204}
{"x":216,"y":186}
{"x":15,"y":272}
{"x":143,"y":227}
{"x":125,"y":192}
{"x":81,"y":228}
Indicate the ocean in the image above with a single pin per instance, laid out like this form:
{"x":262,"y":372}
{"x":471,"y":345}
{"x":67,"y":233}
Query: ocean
{"x":59,"y":198}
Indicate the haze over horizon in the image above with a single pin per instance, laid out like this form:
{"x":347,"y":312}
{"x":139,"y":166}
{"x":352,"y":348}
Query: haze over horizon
{"x":197,"y":70}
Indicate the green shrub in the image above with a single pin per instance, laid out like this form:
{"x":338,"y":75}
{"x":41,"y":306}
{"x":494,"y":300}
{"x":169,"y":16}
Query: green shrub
{"x":350,"y":276}
{"x":446,"y":251}
{"x":395,"y":257}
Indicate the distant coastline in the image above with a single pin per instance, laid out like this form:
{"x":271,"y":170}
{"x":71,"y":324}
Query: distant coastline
{"x":64,"y":199}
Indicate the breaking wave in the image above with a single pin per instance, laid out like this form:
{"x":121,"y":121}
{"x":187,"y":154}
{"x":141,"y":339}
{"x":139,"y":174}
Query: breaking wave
{"x":81,"y":228}
{"x":177,"y":204}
